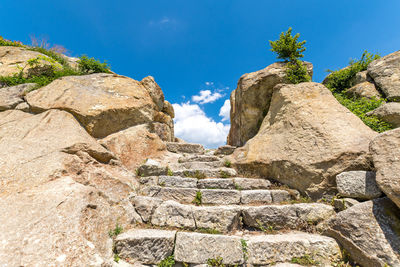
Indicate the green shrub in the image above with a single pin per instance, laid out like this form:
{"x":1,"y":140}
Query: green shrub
{"x":197,"y":199}
{"x":340,"y":80}
{"x":296,"y":72}
{"x":5,"y":42}
{"x":116,"y":231}
{"x":217,"y":262}
{"x":287,"y":46}
{"x":227,"y":163}
{"x":305,"y":260}
{"x":290,"y":49}
{"x":361,"y":106}
{"x":90,"y":65}
{"x":167,"y":262}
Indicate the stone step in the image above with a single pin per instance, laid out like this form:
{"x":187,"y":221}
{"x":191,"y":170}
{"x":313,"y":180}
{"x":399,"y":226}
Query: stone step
{"x":226,"y":218}
{"x":198,"y":158}
{"x":196,"y":165}
{"x":185,"y":148}
{"x":217,"y":183}
{"x":216,"y":196}
{"x":152,"y":246}
{"x":200,"y":173}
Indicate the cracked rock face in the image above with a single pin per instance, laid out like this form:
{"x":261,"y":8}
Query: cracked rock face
{"x":102,"y":103}
{"x":306,"y":139}
{"x":58,"y":198}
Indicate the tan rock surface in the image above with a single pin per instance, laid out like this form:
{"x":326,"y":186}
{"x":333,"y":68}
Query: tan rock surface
{"x":251,"y":100}
{"x":13,"y":58}
{"x":57,"y":200}
{"x":385,"y":150}
{"x":365,"y":89}
{"x":134,"y":145}
{"x":102,"y":103}
{"x":386,"y":74}
{"x":306,"y":139}
{"x":388,"y":112}
{"x":369,"y":231}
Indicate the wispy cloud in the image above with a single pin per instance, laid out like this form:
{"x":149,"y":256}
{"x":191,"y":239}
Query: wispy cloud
{"x":206,"y":96}
{"x":164,"y":22}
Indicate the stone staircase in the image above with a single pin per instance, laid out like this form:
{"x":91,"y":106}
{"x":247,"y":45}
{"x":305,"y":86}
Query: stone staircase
{"x":201,"y":213}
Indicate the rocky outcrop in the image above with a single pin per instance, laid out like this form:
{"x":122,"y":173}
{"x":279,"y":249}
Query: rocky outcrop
{"x":134,"y":145}
{"x":10,"y":97}
{"x":369,"y":231}
{"x":388,"y":112}
{"x":103,"y":103}
{"x":251,"y":100}
{"x":13,"y":60}
{"x":386,"y":74}
{"x":365,"y":89}
{"x":385,"y":150}
{"x":56,"y":184}
{"x":306,"y":139}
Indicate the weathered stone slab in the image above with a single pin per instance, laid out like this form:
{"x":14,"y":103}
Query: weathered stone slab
{"x":388,"y":112}
{"x":198,"y":158}
{"x":286,"y":216}
{"x":183,"y":195}
{"x":220,"y":197}
{"x":185,"y":148}
{"x":279,"y":196}
{"x":148,"y":246}
{"x":207,"y":172}
{"x":369,"y":231}
{"x":256,"y":197}
{"x":198,"y":248}
{"x":358,"y":184}
{"x":250,"y":184}
{"x":171,"y":213}
{"x":152,"y":168}
{"x":177,"y":181}
{"x":145,"y":206}
{"x":216,"y":183}
{"x":221,"y":218}
{"x":269,"y":249}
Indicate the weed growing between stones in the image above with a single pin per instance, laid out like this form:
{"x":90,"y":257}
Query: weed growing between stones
{"x":197,"y":174}
{"x":269,"y":229}
{"x":224,"y":174}
{"x":211,"y":231}
{"x":116,"y":257}
{"x":243,"y":242}
{"x":116,"y":231}
{"x":227,"y":163}
{"x":217,"y":262}
{"x":167,"y":262}
{"x":197,"y":199}
{"x":170,"y":172}
{"x":305,"y":260}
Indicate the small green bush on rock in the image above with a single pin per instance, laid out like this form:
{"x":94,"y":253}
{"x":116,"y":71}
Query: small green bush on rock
{"x":90,"y":65}
{"x":290,"y":49}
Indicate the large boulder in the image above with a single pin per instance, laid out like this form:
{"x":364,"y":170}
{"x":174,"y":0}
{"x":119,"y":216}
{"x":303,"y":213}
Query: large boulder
{"x":388,"y":112}
{"x":365,"y":89}
{"x":134,"y":145}
{"x":13,"y":60}
{"x":58,"y":197}
{"x":386,"y":74}
{"x":306,"y":139}
{"x":385,"y":150}
{"x":102,"y":103}
{"x":369,"y":231}
{"x":251,"y":100}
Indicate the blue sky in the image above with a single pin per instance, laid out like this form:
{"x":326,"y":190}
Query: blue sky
{"x":191,"y":46}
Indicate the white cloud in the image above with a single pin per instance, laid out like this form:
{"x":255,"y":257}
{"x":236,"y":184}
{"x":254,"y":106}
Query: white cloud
{"x":225,"y":110}
{"x":193,"y":125}
{"x":206,"y":97}
{"x":209,"y":83}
